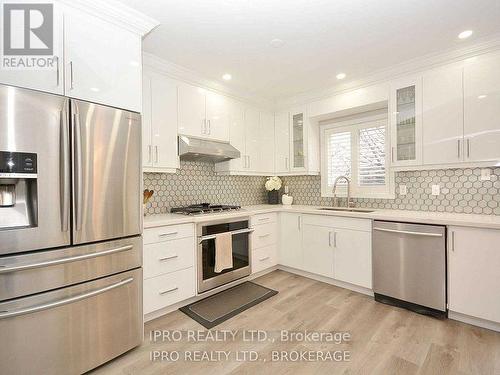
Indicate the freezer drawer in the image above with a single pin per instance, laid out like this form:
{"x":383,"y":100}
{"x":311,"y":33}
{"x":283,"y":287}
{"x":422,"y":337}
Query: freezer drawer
{"x":72,"y":330}
{"x":409,"y":263}
{"x":37,"y":272}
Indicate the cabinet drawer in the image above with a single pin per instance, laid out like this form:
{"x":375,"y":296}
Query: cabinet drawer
{"x":263,"y":258}
{"x":264,"y":218}
{"x":338,"y":222}
{"x":169,"y":256}
{"x":264,"y":235}
{"x":162,"y":291}
{"x":168,"y":233}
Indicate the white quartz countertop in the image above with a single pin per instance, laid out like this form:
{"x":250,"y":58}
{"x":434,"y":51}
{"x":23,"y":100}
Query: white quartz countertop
{"x":479,"y":221}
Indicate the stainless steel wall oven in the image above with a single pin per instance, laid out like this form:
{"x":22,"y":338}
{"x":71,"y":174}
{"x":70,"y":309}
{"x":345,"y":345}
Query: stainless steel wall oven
{"x":206,"y":232}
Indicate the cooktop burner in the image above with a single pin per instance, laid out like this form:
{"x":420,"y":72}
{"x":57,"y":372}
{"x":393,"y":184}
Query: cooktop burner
{"x":203,"y":208}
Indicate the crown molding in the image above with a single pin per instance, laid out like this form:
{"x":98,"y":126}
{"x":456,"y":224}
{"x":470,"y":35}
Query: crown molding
{"x":117,"y":13}
{"x":419,"y":64}
{"x":189,"y":76}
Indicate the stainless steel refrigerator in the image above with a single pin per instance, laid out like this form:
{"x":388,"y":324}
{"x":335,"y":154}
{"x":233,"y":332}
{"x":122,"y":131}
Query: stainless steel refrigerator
{"x":70,"y":233}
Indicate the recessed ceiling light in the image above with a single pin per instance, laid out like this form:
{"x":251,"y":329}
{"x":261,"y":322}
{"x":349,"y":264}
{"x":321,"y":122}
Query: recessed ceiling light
{"x":465,"y":34}
{"x":276,"y":43}
{"x":341,"y":76}
{"x":95,"y":89}
{"x":482,"y":96}
{"x":227,"y":77}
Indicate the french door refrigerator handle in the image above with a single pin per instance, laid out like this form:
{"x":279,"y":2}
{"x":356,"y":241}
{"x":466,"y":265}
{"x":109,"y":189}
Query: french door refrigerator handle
{"x":22,"y":267}
{"x":65,"y":301}
{"x":64,"y":165}
{"x":78,"y":173}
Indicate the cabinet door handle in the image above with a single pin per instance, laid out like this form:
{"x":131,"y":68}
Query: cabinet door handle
{"x":335,"y":239}
{"x":468,"y":147}
{"x":71,"y":87}
{"x":452,"y":244}
{"x":299,"y":222}
{"x":56,"y":58}
{"x":330,"y":239}
{"x":156,"y":154}
{"x":204,"y":126}
{"x":167,"y":234}
{"x":458,"y":148}
{"x":263,"y":259}
{"x":149,"y":153}
{"x":286,"y":163}
{"x":264,"y":235}
{"x":248,"y":156}
{"x":209,"y":127}
{"x":168,"y":258}
{"x":169,"y":291}
{"x":392,"y":154}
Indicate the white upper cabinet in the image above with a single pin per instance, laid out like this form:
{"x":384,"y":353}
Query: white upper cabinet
{"x":252,"y":139}
{"x":192,"y":110}
{"x":298,"y":140}
{"x":159,"y":123}
{"x":203,"y":114}
{"x":266,"y":137}
{"x":218,"y":109}
{"x":405,"y":108}
{"x":482,"y":109}
{"x":443,"y":116}
{"x":95,"y":59}
{"x":48,"y":79}
{"x":102,"y":61}
{"x":282,"y":142}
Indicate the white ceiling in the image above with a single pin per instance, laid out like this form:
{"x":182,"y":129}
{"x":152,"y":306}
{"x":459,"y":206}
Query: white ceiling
{"x":322,"y":37}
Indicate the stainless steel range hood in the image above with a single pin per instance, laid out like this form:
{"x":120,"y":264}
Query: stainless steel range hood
{"x":205,"y":150}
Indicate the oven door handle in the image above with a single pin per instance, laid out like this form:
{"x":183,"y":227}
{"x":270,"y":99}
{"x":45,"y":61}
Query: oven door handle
{"x":234,"y":232}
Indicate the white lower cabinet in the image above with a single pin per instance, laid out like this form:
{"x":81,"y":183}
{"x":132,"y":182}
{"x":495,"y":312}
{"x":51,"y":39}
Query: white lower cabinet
{"x":334,"y":247}
{"x":169,"y":266}
{"x":317,"y":248}
{"x":264,"y":241}
{"x":164,"y":290}
{"x":263,"y":258}
{"x":290,"y":244}
{"x":352,"y":261}
{"x":473,"y":272}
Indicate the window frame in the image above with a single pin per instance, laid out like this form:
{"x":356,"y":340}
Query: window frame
{"x":354,"y":125}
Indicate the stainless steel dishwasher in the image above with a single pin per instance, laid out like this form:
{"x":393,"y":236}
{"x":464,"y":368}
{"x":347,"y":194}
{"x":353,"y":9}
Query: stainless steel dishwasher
{"x":409,"y":266}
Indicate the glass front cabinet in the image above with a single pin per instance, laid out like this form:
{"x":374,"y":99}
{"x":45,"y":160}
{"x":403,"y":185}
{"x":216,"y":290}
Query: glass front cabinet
{"x":406,"y":122}
{"x":297,"y":140}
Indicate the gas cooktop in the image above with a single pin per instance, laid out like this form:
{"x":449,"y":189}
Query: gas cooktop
{"x":203,"y":208}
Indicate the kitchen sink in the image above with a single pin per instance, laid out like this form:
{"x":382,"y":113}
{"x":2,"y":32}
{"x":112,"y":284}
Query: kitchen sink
{"x":345,"y":209}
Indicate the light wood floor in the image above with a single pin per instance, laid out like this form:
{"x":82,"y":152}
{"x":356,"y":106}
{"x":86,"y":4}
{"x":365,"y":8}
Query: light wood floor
{"x":385,"y":339}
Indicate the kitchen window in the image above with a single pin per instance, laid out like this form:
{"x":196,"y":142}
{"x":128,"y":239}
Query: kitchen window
{"x":357,"y":148}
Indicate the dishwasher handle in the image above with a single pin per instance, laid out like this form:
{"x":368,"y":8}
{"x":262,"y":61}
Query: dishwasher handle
{"x":426,"y":234}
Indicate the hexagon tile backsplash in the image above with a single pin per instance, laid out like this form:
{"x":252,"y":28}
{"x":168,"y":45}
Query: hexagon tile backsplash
{"x":197,"y":182}
{"x":462,"y":190}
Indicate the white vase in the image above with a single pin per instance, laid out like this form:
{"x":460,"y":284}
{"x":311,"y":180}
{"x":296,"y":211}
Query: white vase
{"x":286,"y":199}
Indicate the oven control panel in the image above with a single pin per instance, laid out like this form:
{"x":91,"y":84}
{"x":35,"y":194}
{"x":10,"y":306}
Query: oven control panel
{"x":18,"y":164}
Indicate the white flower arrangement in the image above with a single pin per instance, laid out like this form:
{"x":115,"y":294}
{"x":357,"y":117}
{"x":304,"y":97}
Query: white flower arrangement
{"x":273,"y":183}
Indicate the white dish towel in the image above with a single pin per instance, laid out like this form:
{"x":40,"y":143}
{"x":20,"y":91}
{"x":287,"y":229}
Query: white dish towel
{"x":223,"y":251}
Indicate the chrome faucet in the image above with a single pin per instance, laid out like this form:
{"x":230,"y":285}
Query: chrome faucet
{"x":335,"y":200}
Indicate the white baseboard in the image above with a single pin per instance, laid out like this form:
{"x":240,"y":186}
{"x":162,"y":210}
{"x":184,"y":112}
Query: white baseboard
{"x":178,"y":305}
{"x":327,"y":280}
{"x":488,"y":324}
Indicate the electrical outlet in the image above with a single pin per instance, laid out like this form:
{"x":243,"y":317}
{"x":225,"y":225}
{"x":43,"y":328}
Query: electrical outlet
{"x":436,"y":190}
{"x":402,"y":190}
{"x":485,"y":174}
